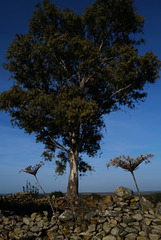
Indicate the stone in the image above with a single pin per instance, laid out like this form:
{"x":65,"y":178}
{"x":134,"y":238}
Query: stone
{"x":153,"y":236}
{"x":26,"y":220}
{"x":146,"y":203}
{"x":137,"y":217}
{"x":101,"y":219}
{"x":115,"y":231}
{"x":100,"y":235}
{"x":92,"y":227}
{"x":141,"y":238}
{"x":40,"y":224}
{"x":122,"y":219}
{"x":123,"y":225}
{"x":66,"y":215}
{"x":157,"y":227}
{"x":127,"y":219}
{"x":108,"y":199}
{"x":130,"y":230}
{"x":1,"y":226}
{"x":158,"y":208}
{"x":34,"y":229}
{"x":106,"y":227}
{"x":89,"y":215}
{"x":33,"y":216}
{"x":17,"y":231}
{"x":109,"y":213}
{"x":45,"y":213}
{"x":123,"y":192}
{"x":110,"y":237}
{"x":131,"y":236}
{"x":142,"y":234}
{"x":147,"y":221}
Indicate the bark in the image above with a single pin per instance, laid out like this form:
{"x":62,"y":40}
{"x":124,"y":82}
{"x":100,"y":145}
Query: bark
{"x":72,"y":190}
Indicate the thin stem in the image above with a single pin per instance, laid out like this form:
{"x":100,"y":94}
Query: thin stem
{"x":141,"y":203}
{"x":45,"y":194}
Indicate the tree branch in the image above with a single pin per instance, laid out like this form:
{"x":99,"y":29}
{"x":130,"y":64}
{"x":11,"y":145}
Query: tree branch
{"x":121,"y":89}
{"x":58,"y":145}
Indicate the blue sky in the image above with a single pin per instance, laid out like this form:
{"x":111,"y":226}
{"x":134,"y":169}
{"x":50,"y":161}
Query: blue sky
{"x":128,"y":132}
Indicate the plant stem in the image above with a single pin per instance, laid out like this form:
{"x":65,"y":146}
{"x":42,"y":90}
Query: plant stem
{"x":45,"y":194}
{"x":141,"y":203}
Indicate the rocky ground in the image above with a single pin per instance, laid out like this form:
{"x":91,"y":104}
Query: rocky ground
{"x":116,"y":217}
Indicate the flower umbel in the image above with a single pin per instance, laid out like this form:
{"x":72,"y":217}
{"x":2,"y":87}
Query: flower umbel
{"x":128,"y":163}
{"x":33,"y":169}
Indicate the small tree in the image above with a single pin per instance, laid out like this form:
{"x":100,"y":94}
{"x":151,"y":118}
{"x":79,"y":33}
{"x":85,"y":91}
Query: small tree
{"x":69,"y":70}
{"x":131,"y":164}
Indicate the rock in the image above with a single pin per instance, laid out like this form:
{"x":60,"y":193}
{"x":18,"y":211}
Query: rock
{"x":131,"y":230}
{"x":127,"y":219}
{"x":106,"y":227}
{"x":147,"y":204}
{"x":158,"y":208}
{"x":26,"y":220}
{"x":34,"y":229}
{"x":109,"y":213}
{"x":115,"y":231}
{"x":66,"y":215}
{"x":108,"y":199}
{"x":89,"y":215}
{"x":45,"y":213}
{"x":153,"y":236}
{"x":141,"y":238}
{"x":137,"y":217}
{"x":123,"y":192}
{"x":123,"y":225}
{"x":92,"y":227}
{"x":33,"y":216}
{"x":110,"y":237}
{"x":131,"y":236}
{"x":122,"y":219}
{"x":100,"y":235}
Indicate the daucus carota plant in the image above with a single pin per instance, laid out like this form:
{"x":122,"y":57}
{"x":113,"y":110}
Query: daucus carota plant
{"x":33,"y":171}
{"x":130,"y":164}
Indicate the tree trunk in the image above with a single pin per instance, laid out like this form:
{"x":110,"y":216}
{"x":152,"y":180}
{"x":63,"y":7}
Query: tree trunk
{"x":72,"y":190}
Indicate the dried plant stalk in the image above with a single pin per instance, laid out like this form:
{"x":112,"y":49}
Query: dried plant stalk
{"x":33,"y":171}
{"x":131,"y":164}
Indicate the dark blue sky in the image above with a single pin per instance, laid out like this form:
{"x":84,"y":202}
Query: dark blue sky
{"x":129,"y":132}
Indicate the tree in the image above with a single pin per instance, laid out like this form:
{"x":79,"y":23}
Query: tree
{"x":69,"y":70}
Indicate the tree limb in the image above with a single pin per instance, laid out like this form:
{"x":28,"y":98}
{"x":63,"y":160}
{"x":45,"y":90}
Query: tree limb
{"x":58,"y":145}
{"x":121,"y":89}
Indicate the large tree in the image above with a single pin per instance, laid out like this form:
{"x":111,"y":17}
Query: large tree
{"x":69,"y":70}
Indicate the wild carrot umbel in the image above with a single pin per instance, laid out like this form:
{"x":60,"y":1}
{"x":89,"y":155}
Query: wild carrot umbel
{"x":33,"y":171}
{"x":130,"y":164}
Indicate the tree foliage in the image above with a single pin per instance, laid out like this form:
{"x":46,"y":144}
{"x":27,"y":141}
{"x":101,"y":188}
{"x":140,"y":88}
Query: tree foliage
{"x":70,"y":69}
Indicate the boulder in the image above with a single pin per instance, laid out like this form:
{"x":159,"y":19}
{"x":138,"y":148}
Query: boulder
{"x":123,"y":192}
{"x":66,"y":215}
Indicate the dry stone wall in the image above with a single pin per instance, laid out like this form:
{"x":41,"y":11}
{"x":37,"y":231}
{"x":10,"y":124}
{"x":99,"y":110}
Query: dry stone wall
{"x":117,"y":217}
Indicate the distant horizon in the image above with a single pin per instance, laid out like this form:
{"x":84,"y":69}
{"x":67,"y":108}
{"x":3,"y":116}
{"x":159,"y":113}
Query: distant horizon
{"x":84,"y":193}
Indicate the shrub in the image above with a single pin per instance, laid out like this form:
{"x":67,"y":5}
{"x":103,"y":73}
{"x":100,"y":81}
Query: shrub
{"x":57,"y":194}
{"x":154,"y":198}
{"x":95,"y":196}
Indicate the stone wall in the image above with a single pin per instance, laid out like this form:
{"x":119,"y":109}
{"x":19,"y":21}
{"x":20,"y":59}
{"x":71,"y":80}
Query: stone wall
{"x":117,"y":217}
